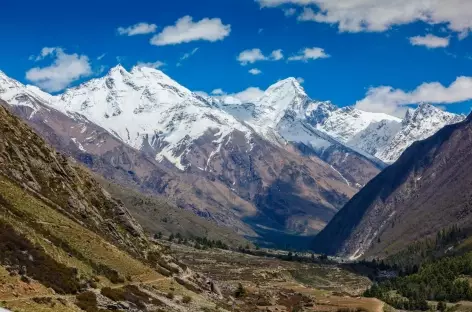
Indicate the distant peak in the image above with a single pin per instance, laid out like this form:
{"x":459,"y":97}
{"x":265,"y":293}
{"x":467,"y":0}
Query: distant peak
{"x":290,"y":83}
{"x":427,"y":106}
{"x":118,"y":69}
{"x":146,"y":69}
{"x":290,"y":80}
{"x":429,"y":109}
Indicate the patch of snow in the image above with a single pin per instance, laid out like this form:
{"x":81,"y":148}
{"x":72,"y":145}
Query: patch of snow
{"x":78,"y":144}
{"x":347,"y":182}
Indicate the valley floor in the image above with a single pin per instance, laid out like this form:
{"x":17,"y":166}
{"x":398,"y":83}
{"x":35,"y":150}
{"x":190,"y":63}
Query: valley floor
{"x":275,"y":285}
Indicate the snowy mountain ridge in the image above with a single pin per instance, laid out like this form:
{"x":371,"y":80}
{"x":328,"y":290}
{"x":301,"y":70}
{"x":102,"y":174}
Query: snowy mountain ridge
{"x":149,"y":111}
{"x":418,"y":124}
{"x":380,"y":135}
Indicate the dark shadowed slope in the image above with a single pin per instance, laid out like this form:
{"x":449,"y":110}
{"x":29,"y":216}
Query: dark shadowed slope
{"x":426,"y":190}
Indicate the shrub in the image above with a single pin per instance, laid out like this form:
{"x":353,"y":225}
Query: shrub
{"x":240,"y":291}
{"x":187,"y":299}
{"x":43,"y":269}
{"x":113,"y":294}
{"x":87,"y":301}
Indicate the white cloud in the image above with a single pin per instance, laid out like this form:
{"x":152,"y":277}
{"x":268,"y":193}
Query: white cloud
{"x":156,"y":64}
{"x":46,"y":51}
{"x":290,"y":11}
{"x":101,"y":56}
{"x":218,"y":91}
{"x":386,"y":99}
{"x":251,"y":56}
{"x":275,"y":3}
{"x":101,"y":69}
{"x":300,"y":80}
{"x":430,"y":41}
{"x":255,"y":71}
{"x":254,"y":55}
{"x":277,"y":55}
{"x":249,"y":95}
{"x":189,"y":54}
{"x":65,"y":69}
{"x":380,"y":15}
{"x":137,"y":29}
{"x":309,"y":54}
{"x":202,"y":93}
{"x":185,"y":30}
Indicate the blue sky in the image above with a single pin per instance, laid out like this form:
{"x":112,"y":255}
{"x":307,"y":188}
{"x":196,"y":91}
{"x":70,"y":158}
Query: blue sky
{"x":350,"y":51}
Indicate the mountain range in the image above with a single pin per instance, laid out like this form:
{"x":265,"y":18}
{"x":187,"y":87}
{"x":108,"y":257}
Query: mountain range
{"x":270,"y":168}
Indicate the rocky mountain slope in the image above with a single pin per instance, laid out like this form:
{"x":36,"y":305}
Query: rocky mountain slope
{"x":426,"y":190}
{"x":144,"y":130}
{"x":67,"y":245}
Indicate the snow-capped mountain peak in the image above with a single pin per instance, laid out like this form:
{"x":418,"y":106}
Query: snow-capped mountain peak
{"x":428,"y":112}
{"x":149,"y":111}
{"x":285,"y":96}
{"x":16,"y":93}
{"x":145,"y":108}
{"x":418,"y":124}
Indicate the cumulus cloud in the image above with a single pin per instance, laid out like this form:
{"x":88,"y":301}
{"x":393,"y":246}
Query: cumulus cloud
{"x":137,"y":29}
{"x":186,"y":30}
{"x":251,"y":56}
{"x":249,"y":95}
{"x":201,"y":93}
{"x":430,"y":41}
{"x":255,"y":71}
{"x":290,"y":11}
{"x":276,"y":55}
{"x":380,"y":15}
{"x":309,"y":54}
{"x":46,"y":51}
{"x":156,"y":64}
{"x":386,"y":99}
{"x":254,"y":55}
{"x":64,"y":69}
{"x":218,"y":91}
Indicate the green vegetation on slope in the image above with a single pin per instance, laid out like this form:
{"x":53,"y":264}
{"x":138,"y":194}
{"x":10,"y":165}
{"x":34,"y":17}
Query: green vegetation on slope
{"x":442,"y":280}
{"x":26,"y":219}
{"x":408,"y":260}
